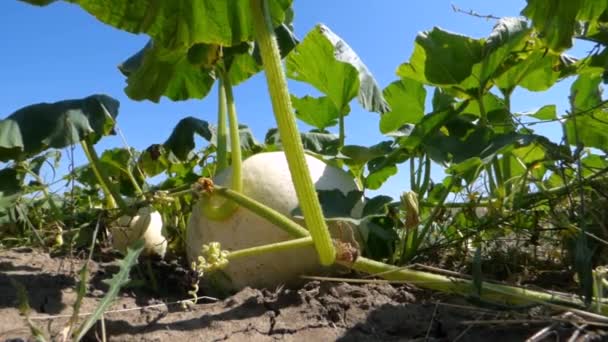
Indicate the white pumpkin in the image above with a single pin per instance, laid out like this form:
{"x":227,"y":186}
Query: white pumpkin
{"x":147,"y":224}
{"x":266,"y":178}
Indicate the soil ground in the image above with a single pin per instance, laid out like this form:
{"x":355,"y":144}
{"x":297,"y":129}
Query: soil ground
{"x":317,"y":311}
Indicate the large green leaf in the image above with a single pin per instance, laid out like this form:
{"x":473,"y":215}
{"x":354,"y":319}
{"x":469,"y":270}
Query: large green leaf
{"x":179,"y":24}
{"x":35,"y":128}
{"x":184,"y":74}
{"x":155,"y":71}
{"x":508,"y":38}
{"x":442,"y":58}
{"x":326,"y":62}
{"x":588,"y":122}
{"x":554,"y":20}
{"x":406,"y":99}
{"x":537,"y":71}
{"x":319,"y":112}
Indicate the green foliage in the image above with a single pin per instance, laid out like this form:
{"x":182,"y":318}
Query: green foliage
{"x":326,"y":62}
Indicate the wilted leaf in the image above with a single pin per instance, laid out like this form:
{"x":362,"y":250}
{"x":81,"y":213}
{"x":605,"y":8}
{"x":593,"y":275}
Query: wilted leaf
{"x":181,"y":140}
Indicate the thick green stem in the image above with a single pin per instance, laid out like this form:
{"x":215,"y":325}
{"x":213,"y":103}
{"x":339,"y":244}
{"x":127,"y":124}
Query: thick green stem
{"x":113,"y":198}
{"x":491,"y":292}
{"x":227,"y":208}
{"x":222,"y":138}
{"x":273,"y":247}
{"x":290,"y":137}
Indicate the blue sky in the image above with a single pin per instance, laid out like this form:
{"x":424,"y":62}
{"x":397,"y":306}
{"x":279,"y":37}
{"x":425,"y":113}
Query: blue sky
{"x":61,"y":52}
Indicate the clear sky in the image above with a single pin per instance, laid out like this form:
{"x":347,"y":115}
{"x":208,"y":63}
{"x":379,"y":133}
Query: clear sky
{"x":61,"y":52}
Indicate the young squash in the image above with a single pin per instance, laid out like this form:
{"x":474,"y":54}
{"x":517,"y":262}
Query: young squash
{"x":266,"y":178}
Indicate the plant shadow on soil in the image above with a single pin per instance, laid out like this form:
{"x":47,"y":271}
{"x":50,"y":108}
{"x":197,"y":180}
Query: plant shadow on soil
{"x":323,"y":311}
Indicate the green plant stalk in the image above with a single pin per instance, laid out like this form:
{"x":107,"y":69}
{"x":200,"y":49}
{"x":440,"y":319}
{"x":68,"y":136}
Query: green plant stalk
{"x":419,"y":174}
{"x":290,"y":137}
{"x":427,"y":176}
{"x":413,"y":184}
{"x":491,"y":183}
{"x":138,"y":191}
{"x":490,"y":291}
{"x":222,"y":139}
{"x":273,"y":247}
{"x":113,"y":198}
{"x":411,"y":247}
{"x":341,"y":131}
{"x":227,"y":208}
{"x":262,"y":210}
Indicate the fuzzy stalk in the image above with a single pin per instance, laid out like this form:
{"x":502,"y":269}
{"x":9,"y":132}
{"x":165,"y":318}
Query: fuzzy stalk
{"x":290,"y":136}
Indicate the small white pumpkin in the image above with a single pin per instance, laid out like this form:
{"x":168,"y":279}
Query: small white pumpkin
{"x":147,"y":224}
{"x":266,"y":178}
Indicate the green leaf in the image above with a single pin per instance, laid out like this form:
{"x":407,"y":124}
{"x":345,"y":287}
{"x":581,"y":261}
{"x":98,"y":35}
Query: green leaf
{"x":442,"y":58}
{"x":181,"y":140}
{"x":554,"y":20}
{"x":335,"y":203}
{"x":119,"y":280}
{"x":11,"y":186}
{"x":326,"y":62}
{"x":588,"y":122}
{"x":188,"y":73}
{"x":318,"y":112}
{"x":376,"y":205}
{"x":155,"y":71}
{"x":509,"y":36}
{"x":537,"y":71}
{"x":358,"y":155}
{"x":181,"y":24}
{"x":382,"y":168}
{"x":35,"y":128}
{"x":548,"y":112}
{"x":406,"y":99}
{"x":153,"y":160}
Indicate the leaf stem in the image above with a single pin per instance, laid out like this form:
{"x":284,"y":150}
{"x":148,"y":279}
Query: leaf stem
{"x":227,"y":208}
{"x":113,"y":198}
{"x":222,"y":139}
{"x":273,"y":247}
{"x":290,"y":137}
{"x":262,"y":210}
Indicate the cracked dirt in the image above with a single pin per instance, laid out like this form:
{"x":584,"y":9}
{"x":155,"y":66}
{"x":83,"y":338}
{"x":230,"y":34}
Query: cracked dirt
{"x":317,"y":311}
